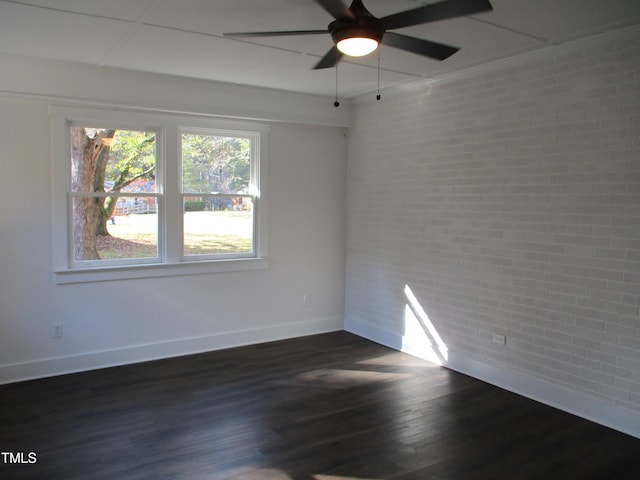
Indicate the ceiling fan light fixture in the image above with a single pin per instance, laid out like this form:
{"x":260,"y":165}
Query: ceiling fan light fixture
{"x":357,"y":40}
{"x":357,"y":46}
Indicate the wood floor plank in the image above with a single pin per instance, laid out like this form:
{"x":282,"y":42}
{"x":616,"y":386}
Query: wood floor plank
{"x":324,"y":407}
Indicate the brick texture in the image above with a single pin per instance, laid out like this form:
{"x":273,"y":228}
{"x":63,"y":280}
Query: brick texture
{"x":508,"y":200}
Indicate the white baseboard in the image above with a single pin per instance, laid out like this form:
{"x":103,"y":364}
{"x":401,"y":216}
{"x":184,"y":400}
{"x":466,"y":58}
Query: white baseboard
{"x":141,"y":353}
{"x":576,"y":403}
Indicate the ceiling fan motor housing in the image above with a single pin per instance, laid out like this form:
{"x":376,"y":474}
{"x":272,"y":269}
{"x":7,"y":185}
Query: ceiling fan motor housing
{"x":364,"y":27}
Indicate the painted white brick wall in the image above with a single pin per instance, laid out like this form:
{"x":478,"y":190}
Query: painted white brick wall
{"x":509,"y":202}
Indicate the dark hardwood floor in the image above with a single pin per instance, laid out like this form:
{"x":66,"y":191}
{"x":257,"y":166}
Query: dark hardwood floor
{"x":325,"y":407}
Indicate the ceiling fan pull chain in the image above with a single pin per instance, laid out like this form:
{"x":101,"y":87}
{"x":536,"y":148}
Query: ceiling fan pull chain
{"x":336,"y":103}
{"x":378,"y":95}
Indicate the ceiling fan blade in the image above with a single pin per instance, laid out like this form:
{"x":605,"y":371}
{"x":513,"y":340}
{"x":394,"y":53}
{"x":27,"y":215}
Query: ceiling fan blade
{"x":434,"y":12}
{"x":426,"y":48}
{"x":332,"y":57}
{"x":275,"y":34}
{"x":337,"y":9}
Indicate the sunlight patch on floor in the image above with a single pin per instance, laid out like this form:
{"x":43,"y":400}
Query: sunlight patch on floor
{"x":340,"y":378}
{"x":251,"y":473}
{"x":396,"y":359}
{"x":333,"y":477}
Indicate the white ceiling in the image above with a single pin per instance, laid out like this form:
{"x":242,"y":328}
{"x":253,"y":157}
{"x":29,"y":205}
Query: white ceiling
{"x":184,"y":37}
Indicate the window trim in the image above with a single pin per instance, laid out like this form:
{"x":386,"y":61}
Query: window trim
{"x":168,"y":127}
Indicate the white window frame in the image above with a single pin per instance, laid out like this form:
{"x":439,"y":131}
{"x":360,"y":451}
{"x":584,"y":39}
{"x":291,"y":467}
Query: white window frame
{"x":171,"y":259}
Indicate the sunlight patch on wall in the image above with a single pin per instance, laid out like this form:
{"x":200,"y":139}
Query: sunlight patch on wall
{"x":420,"y":335}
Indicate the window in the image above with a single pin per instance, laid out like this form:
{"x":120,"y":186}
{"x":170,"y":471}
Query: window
{"x":138,"y":195}
{"x":217,"y":193}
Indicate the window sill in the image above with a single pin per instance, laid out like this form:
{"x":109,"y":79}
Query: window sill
{"x":158,"y":270}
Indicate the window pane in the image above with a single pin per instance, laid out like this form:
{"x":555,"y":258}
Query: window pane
{"x":112,"y":160}
{"x":218,"y":225}
{"x":129,"y":229}
{"x":215,"y":164}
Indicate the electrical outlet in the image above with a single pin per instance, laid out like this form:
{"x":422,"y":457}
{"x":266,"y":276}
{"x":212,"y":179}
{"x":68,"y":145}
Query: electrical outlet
{"x":56,"y":330}
{"x":501,"y":339}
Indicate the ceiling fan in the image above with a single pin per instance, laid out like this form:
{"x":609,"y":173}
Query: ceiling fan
{"x":356,"y":32}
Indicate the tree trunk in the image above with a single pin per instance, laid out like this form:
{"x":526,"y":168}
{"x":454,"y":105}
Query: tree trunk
{"x":98,"y":183}
{"x":106,"y":211}
{"x":88,"y":155}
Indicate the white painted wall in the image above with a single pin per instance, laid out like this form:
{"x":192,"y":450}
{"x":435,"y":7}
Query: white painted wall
{"x":126,"y":321}
{"x":508,"y":201}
